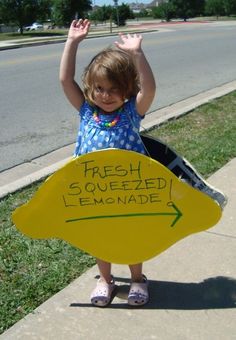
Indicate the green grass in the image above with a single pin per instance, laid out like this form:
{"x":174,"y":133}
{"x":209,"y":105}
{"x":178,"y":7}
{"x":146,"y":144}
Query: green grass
{"x":206,"y":136}
{"x":33,"y":270}
{"x":33,"y":34}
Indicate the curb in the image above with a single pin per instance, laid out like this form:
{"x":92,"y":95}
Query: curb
{"x":25,"y":174}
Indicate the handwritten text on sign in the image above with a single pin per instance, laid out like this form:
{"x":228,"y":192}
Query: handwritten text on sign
{"x":98,"y":184}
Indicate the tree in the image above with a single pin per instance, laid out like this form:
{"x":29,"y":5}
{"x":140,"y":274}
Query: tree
{"x":64,"y":11}
{"x":121,"y":14}
{"x":22,"y":12}
{"x":44,"y":10}
{"x":188,"y":8}
{"x":229,"y":7}
{"x":163,"y":11}
{"x":215,"y":7}
{"x":101,"y":14}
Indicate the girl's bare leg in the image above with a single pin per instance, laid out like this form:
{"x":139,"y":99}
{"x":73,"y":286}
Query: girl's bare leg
{"x":136,"y":272}
{"x":104,"y":270}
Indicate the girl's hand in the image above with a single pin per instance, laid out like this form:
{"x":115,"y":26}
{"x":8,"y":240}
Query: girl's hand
{"x":129,"y":42}
{"x":79,"y":29}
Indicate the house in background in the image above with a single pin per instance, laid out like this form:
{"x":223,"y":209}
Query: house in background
{"x":136,"y":7}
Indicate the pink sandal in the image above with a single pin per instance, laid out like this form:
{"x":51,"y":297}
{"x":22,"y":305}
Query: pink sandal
{"x":138,"y":294}
{"x":102,"y":294}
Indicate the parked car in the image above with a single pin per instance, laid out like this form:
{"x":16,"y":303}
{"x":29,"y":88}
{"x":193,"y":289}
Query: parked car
{"x":34,"y":27}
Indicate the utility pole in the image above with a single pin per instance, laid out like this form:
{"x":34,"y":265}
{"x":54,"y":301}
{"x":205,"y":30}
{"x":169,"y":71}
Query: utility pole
{"x":117,"y":14}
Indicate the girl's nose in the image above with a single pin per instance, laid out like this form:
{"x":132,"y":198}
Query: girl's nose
{"x":106,"y":93}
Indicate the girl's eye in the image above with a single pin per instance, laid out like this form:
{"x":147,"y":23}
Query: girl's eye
{"x":102,"y":91}
{"x":99,"y":89}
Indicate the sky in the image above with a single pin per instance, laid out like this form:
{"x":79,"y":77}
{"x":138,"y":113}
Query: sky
{"x":110,"y":2}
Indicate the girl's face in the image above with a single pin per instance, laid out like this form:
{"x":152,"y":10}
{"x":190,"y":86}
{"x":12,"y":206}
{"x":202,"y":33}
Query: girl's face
{"x":107,"y":97}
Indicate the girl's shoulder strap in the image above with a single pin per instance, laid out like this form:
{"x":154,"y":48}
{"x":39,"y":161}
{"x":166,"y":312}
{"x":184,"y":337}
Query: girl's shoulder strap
{"x":85,"y":108}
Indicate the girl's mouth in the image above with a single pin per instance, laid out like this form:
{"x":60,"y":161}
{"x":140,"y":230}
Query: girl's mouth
{"x":107,"y":103}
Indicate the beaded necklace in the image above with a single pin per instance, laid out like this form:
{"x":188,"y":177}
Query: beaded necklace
{"x":107,"y":124}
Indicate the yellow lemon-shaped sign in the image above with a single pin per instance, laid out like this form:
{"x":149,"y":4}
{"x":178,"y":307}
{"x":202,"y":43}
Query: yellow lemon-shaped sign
{"x":118,"y":205}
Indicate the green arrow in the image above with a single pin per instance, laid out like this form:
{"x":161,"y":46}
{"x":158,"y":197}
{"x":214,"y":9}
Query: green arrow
{"x":177,"y":213}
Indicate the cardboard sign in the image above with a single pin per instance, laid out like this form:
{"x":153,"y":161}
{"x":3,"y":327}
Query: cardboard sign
{"x":117,"y":205}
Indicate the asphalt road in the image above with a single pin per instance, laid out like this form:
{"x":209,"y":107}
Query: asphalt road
{"x":35,"y":116}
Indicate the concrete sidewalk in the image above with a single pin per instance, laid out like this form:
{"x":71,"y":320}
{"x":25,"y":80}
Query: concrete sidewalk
{"x":192,"y":287}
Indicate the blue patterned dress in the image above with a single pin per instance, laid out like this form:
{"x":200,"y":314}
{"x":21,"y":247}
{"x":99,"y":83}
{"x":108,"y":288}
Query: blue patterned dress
{"x":124,"y":135}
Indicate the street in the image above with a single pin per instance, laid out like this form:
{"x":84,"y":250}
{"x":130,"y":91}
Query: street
{"x":35,"y":116}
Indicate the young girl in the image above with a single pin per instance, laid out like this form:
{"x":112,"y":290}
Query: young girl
{"x":118,"y":89}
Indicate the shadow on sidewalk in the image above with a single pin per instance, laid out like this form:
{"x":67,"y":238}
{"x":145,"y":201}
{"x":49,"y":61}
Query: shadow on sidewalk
{"x":213,"y":293}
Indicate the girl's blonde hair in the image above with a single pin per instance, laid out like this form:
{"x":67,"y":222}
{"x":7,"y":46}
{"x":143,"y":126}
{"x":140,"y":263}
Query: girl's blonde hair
{"x":117,"y":67}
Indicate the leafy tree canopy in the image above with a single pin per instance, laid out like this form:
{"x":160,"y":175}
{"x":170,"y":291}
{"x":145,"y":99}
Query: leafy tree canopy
{"x":220,"y":7}
{"x":64,"y":11}
{"x":22,"y":12}
{"x":101,"y":14}
{"x":121,"y":14}
{"x":118,"y":14}
{"x":188,"y":8}
{"x":25,"y":12}
{"x":165,"y":11}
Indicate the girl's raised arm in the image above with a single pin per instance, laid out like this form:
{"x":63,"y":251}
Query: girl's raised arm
{"x":132,"y":44}
{"x":77,"y":32}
